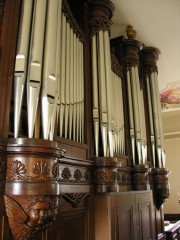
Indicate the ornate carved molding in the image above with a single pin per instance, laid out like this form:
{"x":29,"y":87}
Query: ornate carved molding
{"x":31,"y":194}
{"x":115,"y":65}
{"x":71,"y":174}
{"x":75,"y":198}
{"x":37,"y":173}
{"x":100,"y":16}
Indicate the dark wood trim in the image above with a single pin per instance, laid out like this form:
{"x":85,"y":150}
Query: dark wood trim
{"x":7,"y":58}
{"x":172,"y":217}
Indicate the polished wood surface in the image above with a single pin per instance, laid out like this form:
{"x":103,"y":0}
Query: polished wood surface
{"x":126,"y":216}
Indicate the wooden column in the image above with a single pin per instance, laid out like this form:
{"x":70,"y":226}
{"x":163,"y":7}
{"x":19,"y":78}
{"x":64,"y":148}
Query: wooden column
{"x":159,"y":174}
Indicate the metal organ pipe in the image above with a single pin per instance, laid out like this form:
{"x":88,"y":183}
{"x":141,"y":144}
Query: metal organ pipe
{"x":49,"y":86}
{"x":35,"y":62}
{"x":71,"y":96}
{"x":108,"y":83}
{"x":102,"y":92}
{"x":21,"y":62}
{"x":95,"y":94}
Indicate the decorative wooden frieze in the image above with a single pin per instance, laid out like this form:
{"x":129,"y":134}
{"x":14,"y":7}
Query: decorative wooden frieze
{"x":74,"y":198}
{"x":71,"y":174}
{"x":100,"y":16}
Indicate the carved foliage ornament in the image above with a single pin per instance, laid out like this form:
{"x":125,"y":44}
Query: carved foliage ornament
{"x":149,"y":69}
{"x":75,"y":198}
{"x":17,"y":170}
{"x":28,"y":220}
{"x":131,"y":62}
{"x":111,"y":177}
{"x":99,"y":24}
{"x":70,"y":174}
{"x":42,"y":171}
{"x":115,"y":65}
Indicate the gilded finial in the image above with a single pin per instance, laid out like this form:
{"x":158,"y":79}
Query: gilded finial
{"x":131,"y":33}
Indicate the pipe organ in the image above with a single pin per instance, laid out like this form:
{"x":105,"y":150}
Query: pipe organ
{"x":81,"y":136}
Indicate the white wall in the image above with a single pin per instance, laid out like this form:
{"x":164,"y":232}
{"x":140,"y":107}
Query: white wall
{"x":172,"y":147}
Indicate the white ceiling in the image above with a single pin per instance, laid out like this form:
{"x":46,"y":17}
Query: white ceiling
{"x":157,"y":23}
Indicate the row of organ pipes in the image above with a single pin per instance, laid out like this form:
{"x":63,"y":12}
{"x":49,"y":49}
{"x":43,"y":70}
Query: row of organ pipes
{"x":49,"y":64}
{"x":50,"y":68}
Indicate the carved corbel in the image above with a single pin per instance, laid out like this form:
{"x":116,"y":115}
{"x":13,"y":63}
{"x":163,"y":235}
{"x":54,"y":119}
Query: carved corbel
{"x":141,"y":177}
{"x":160,"y":185}
{"x":31,"y":193}
{"x":106,"y":175}
{"x":100,"y":16}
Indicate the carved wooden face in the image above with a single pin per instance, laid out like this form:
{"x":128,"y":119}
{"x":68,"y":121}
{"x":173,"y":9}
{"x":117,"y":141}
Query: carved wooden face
{"x":43,"y":212}
{"x":38,"y":215}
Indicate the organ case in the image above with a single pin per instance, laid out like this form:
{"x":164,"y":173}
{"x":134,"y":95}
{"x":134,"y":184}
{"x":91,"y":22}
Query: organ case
{"x":81,"y":127}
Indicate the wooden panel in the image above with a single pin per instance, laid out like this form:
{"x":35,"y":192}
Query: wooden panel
{"x":145,"y":227}
{"x":100,"y":217}
{"x":73,"y":225}
{"x":145,"y":221}
{"x":124,"y":223}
